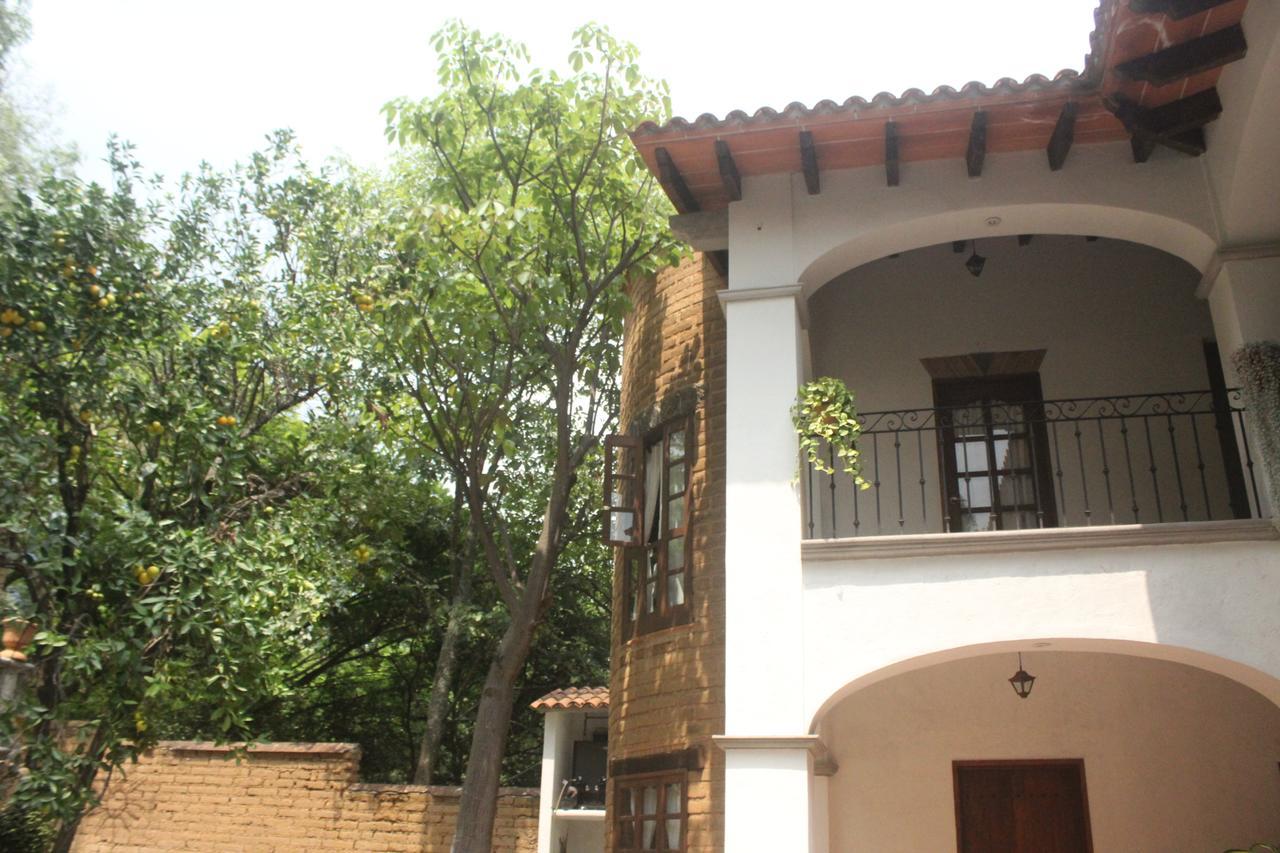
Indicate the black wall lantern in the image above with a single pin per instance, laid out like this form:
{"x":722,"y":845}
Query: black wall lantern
{"x":1022,"y":680}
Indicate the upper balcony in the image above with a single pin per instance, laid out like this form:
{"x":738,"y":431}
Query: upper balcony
{"x":1073,"y":383}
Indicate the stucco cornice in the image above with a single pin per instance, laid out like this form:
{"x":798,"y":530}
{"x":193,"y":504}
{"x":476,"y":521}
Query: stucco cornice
{"x":1049,"y":539}
{"x":751,"y":294}
{"x":824,"y":764}
{"x":1226,"y":254}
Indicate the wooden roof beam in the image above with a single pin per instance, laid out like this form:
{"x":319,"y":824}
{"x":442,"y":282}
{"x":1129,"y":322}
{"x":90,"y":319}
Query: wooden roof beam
{"x":1177,"y":125}
{"x":976,"y":154}
{"x":1064,"y":133}
{"x":1176,"y":9}
{"x":728,"y":171}
{"x":673,"y":182}
{"x":891,"y":167}
{"x":809,"y":163}
{"x":1191,"y":57}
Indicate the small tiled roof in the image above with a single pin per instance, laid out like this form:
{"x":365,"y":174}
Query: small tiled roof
{"x":573,"y":698}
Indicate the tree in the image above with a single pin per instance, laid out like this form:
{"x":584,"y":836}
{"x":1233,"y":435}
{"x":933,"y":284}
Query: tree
{"x":156,"y":362}
{"x":493,"y":282}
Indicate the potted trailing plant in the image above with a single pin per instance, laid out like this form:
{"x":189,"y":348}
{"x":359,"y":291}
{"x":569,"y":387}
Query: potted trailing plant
{"x":825,"y":414}
{"x":18,"y":634}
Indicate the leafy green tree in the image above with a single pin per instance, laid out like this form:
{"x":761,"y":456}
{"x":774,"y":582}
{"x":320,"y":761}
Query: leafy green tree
{"x":492,"y":281}
{"x":158,"y":362}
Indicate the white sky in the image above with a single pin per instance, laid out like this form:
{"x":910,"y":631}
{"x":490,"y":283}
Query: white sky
{"x":188,"y":80}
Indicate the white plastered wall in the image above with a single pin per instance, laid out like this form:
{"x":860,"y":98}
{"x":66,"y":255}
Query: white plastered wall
{"x":1175,"y":758}
{"x":1209,"y":603}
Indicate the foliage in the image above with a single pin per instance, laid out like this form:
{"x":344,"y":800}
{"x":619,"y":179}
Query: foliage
{"x":492,"y":284}
{"x":23,"y":830}
{"x":1258,"y":365}
{"x":157,"y":360}
{"x":1257,"y":848}
{"x":824,"y":415}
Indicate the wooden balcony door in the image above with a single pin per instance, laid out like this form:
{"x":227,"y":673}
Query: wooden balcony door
{"x":995,"y":453}
{"x":1021,"y":807}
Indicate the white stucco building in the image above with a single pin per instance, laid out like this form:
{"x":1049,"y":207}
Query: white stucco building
{"x":1038,"y":292}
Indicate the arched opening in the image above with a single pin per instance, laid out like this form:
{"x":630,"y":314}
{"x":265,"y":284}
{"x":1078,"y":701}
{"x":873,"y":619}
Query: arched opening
{"x":1174,"y":755}
{"x":1025,"y":382}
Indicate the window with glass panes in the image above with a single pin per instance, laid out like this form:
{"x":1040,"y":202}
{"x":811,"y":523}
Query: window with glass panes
{"x":649,"y":813}
{"x":647,"y":509}
{"x":995,"y":453}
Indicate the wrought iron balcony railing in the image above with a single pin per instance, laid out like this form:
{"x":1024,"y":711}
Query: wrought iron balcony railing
{"x":1182,"y":456}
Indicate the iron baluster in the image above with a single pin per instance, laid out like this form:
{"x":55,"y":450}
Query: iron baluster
{"x":1151,"y":459}
{"x":897,"y":455}
{"x":1084,"y":479}
{"x":1106,"y":473}
{"x":1177,"y":468}
{"x":924,"y":504}
{"x":1204,"y":483}
{"x":809,"y":468}
{"x":831,"y":463}
{"x":1057,"y":463}
{"x":1248,"y":463}
{"x":1035,"y":471}
{"x":875,"y":447}
{"x":1128,"y":466}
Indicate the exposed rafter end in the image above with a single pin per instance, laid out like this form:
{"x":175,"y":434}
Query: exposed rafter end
{"x":892,"y":173}
{"x":1064,"y":133}
{"x":976,"y":154}
{"x":1175,"y":9}
{"x":728,"y":171}
{"x":1183,"y":60}
{"x":1178,"y":125}
{"x":809,"y":163}
{"x":673,"y":182}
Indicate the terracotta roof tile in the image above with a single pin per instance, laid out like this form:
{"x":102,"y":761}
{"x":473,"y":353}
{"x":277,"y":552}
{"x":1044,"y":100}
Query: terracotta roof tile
{"x":573,"y":697}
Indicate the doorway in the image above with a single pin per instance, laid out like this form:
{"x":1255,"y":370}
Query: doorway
{"x":1021,"y":807}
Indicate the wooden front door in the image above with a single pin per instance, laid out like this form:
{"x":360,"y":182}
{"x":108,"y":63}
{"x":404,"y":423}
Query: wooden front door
{"x":1021,"y":807}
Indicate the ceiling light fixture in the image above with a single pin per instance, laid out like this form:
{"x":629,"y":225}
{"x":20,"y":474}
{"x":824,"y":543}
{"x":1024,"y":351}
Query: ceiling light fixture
{"x":1022,"y":680}
{"x":976,"y":262}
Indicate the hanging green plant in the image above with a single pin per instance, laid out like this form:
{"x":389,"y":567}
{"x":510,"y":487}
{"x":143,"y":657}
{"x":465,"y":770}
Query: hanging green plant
{"x":825,"y":418}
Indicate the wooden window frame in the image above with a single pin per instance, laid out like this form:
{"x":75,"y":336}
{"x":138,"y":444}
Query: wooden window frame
{"x":649,"y":562}
{"x":950,"y":394}
{"x":623,"y":785}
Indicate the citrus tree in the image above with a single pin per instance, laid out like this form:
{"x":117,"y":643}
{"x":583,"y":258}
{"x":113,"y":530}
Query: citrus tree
{"x":492,"y":285}
{"x":164,"y":376}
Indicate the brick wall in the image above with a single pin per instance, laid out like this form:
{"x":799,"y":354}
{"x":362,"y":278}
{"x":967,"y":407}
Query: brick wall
{"x":282,"y":797}
{"x":667,"y":688}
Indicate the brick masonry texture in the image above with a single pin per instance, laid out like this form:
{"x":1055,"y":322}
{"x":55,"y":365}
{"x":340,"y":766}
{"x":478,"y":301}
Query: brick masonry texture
{"x":667,"y":688}
{"x":282,"y":797}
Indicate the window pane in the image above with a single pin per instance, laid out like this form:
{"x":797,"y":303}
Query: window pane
{"x":627,"y":834}
{"x":971,"y":456}
{"x":1016,"y":490}
{"x":1026,"y":519}
{"x":620,"y":525}
{"x":651,"y":596}
{"x":650,"y":833}
{"x":673,"y":800}
{"x":651,"y":799}
{"x":675,"y":554}
{"x":675,"y":589}
{"x":627,"y":806}
{"x":675,"y":511}
{"x":971,"y":521}
{"x":974,"y":491}
{"x":676,"y":478}
{"x":675,"y":446}
{"x":673,"y":835}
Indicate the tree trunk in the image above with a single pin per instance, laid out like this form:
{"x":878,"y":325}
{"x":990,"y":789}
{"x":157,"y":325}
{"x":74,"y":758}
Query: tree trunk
{"x":442,"y":680}
{"x":479,"y":804}
{"x":67,"y":829}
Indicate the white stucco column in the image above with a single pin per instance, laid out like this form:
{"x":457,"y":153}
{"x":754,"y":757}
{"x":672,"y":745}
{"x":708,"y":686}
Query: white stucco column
{"x":1244,"y":300}
{"x":557,"y":752}
{"x":763,"y":588}
{"x":768,"y":787}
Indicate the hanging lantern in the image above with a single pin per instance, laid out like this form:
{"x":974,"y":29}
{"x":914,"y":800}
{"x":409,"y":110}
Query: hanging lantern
{"x":1022,"y":680}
